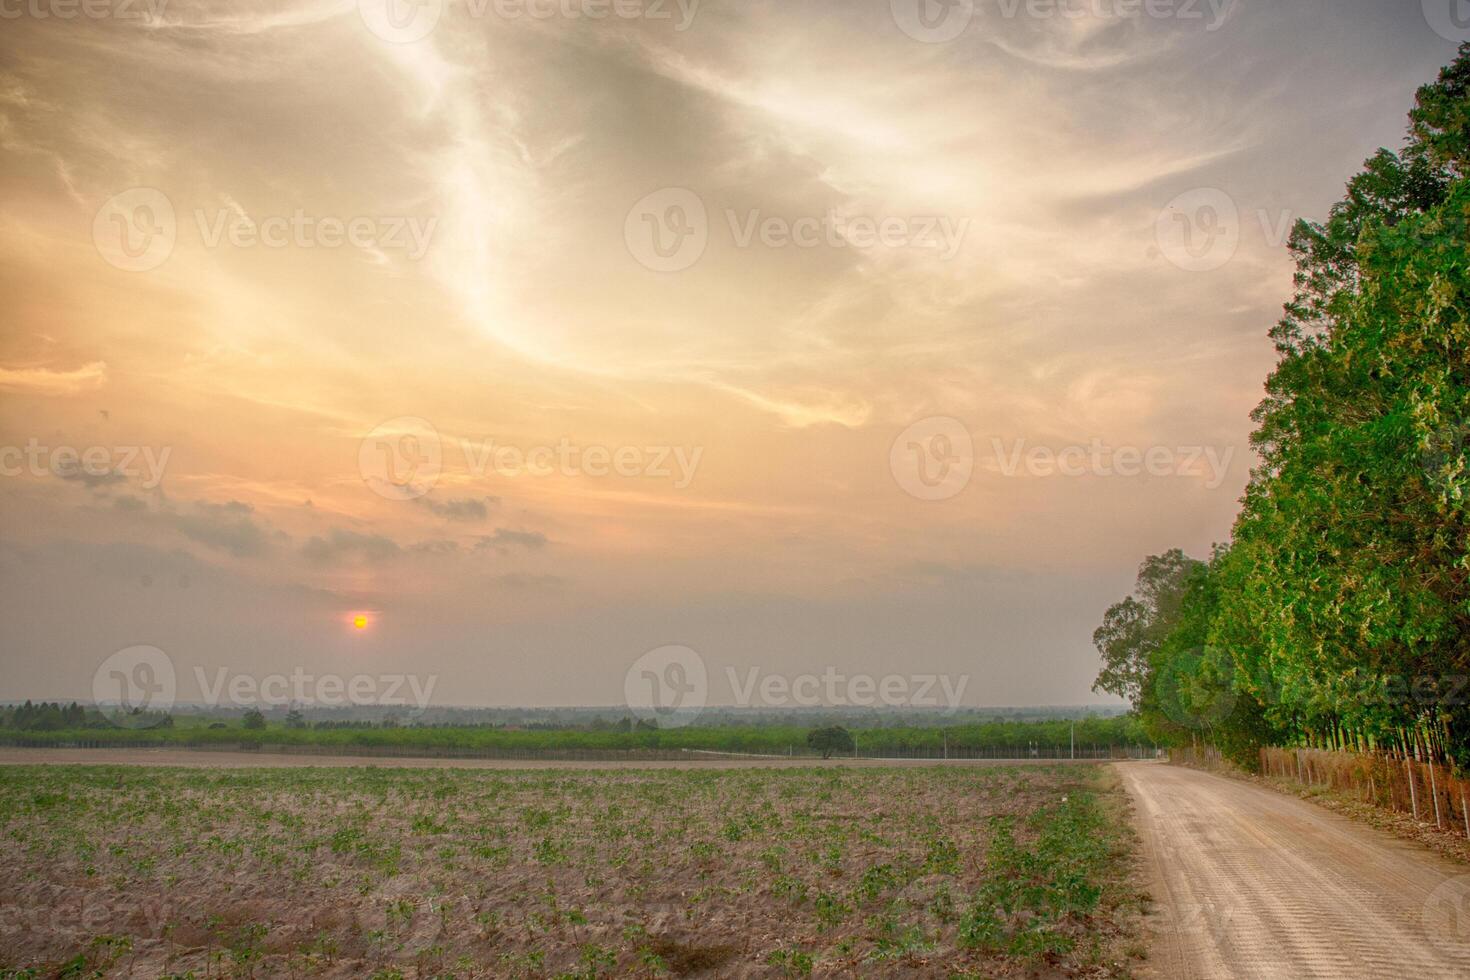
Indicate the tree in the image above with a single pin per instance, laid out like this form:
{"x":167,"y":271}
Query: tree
{"x":254,"y":720}
{"x":1133,"y":629}
{"x":1354,"y":535}
{"x":1340,"y":615}
{"x":295,"y":719}
{"x":831,"y":739}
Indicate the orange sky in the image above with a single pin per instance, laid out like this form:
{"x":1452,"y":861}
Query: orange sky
{"x":984,"y":235}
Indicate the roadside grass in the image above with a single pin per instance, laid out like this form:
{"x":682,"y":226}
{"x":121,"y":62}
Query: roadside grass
{"x":929,"y":872}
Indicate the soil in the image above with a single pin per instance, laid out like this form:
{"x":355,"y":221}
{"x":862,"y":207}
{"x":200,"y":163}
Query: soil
{"x":722,"y":870}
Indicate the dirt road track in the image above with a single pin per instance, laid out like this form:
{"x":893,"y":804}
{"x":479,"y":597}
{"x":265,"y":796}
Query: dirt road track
{"x":1250,"y":883}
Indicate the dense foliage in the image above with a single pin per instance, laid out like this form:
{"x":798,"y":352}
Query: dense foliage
{"x":1048,"y":737}
{"x":1340,"y":614}
{"x":833,"y":738}
{"x":53,"y":716}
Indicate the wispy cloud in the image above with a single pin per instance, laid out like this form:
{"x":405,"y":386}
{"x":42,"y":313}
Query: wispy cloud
{"x":465,"y":509}
{"x":46,"y":381}
{"x":504,"y":540}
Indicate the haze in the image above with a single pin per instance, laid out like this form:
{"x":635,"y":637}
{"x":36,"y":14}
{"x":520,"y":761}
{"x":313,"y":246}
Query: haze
{"x":744,"y":500}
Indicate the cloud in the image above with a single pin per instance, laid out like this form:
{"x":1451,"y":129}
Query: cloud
{"x":438,"y":547}
{"x":460,"y":509}
{"x":339,"y":544}
{"x":516,"y":580}
{"x":43,"y":381}
{"x":230,"y":527}
{"x":91,"y":479}
{"x":504,"y":539}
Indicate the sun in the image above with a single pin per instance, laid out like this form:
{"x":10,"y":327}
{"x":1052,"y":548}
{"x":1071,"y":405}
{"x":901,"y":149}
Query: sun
{"x":359,"y":622}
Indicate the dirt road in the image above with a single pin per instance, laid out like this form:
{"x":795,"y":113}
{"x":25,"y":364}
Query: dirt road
{"x":1253,"y":883}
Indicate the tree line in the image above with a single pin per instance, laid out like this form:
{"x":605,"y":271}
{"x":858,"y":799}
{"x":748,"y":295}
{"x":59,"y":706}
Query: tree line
{"x":1339,"y":613}
{"x":1020,"y":737}
{"x":53,"y":716}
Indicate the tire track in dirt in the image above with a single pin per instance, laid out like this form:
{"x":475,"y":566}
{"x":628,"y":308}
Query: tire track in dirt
{"x":1253,"y":883}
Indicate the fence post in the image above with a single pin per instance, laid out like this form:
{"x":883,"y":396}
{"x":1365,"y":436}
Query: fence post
{"x":1413,"y":795}
{"x":1434,"y":791}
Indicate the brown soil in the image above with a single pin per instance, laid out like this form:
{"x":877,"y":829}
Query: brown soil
{"x":358,"y":872}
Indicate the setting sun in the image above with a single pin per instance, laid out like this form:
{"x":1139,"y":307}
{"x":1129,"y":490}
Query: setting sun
{"x":359,"y":622}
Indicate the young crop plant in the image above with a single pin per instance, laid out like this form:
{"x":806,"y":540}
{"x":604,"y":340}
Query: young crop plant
{"x":402,"y":875}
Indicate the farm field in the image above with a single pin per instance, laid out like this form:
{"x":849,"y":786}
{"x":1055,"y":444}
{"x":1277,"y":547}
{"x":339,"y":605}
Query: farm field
{"x":824,"y":871}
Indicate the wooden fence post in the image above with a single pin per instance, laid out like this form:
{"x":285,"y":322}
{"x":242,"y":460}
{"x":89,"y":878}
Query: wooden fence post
{"x":1413,"y":796}
{"x":1434,"y":791}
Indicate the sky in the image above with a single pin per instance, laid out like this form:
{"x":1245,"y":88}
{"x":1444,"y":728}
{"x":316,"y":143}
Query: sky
{"x":505,"y":345}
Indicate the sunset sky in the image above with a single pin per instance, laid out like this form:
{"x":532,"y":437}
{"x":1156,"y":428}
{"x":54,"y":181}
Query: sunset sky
{"x":507,"y":177}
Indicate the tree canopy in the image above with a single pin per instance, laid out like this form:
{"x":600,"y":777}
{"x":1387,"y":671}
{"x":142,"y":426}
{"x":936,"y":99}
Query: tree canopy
{"x":1340,"y":612}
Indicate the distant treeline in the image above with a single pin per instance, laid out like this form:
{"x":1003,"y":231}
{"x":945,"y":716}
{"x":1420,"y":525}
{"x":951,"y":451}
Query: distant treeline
{"x":1339,"y":615}
{"x":1116,"y":732}
{"x":614,"y":716}
{"x":53,"y":716}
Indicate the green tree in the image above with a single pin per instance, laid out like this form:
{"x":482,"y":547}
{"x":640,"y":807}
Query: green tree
{"x":254,"y":720}
{"x":1133,"y":630}
{"x":834,"y":738}
{"x":1354,"y":531}
{"x":1340,"y":615}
